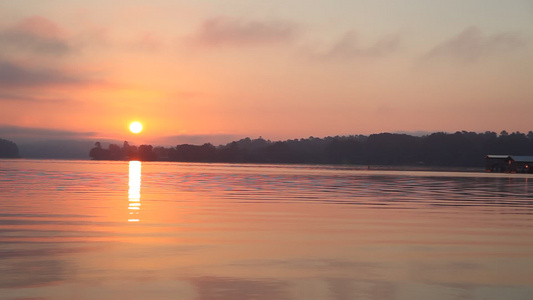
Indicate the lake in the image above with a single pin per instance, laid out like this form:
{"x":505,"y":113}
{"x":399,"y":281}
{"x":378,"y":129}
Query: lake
{"x":155,"y":230}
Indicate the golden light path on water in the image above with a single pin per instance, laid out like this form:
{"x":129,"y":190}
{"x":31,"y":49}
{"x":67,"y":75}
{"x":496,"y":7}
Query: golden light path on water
{"x":134,"y":191}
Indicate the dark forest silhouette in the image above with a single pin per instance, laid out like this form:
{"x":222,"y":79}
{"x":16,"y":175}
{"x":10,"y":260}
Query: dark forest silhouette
{"x":460,"y":149}
{"x":8,"y":149}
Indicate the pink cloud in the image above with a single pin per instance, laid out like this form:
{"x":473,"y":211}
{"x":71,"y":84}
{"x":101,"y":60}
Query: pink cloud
{"x":232,"y":31}
{"x":34,"y":34}
{"x":16,"y":75}
{"x":471,"y":44}
{"x":348,"y":47}
{"x":148,"y":41}
{"x":40,"y":26}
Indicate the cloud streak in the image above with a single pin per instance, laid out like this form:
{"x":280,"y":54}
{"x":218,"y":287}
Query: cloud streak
{"x":471,"y":44}
{"x":15,"y":75}
{"x":222,"y":31}
{"x":35,"y":34}
{"x":30,"y":99}
{"x":41,"y":133}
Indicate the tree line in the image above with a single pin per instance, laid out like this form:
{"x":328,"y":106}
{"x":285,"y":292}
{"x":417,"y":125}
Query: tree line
{"x":8,"y":149}
{"x":459,"y":149}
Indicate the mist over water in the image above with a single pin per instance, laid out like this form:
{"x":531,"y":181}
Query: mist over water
{"x":131,"y":230}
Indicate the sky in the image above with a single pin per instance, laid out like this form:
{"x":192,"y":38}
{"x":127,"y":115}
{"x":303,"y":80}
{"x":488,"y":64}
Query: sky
{"x":214,"y":71}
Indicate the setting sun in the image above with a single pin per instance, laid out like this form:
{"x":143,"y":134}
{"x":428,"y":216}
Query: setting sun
{"x":136,"y":127}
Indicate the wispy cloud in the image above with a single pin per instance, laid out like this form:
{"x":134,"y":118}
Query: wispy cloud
{"x":35,"y":34}
{"x":471,"y":44}
{"x":221,"y":31}
{"x":349,"y":47}
{"x":15,"y":132}
{"x":31,"y":99}
{"x":15,"y":75}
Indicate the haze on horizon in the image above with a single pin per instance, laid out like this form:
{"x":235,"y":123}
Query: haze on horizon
{"x":277,"y":69}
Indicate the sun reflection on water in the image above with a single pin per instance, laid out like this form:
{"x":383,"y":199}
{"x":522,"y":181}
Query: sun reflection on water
{"x":134,"y":192}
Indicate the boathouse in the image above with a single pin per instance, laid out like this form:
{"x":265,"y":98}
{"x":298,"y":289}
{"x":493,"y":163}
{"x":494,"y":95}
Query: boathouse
{"x":509,"y":163}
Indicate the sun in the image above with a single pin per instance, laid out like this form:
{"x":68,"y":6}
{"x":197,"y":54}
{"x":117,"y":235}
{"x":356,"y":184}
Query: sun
{"x":136,"y":127}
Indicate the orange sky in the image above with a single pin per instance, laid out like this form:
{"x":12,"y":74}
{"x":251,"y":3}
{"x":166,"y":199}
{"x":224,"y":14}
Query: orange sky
{"x":218,"y":71}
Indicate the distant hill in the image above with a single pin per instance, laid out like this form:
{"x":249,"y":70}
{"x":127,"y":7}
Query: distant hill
{"x":56,"y":149}
{"x":8,"y":149}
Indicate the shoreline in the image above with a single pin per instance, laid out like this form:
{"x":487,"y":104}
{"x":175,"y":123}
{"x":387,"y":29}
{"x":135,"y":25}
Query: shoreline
{"x":332,"y":166}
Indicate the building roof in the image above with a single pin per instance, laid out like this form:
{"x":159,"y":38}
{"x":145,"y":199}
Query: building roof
{"x":516,"y":158}
{"x":519,"y":158}
{"x":498,"y":156}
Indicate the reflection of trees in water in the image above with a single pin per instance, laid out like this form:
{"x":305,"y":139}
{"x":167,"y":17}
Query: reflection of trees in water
{"x":211,"y":288}
{"x":33,"y":272}
{"x":347,"y":289}
{"x":476,"y":191}
{"x":473,"y":191}
{"x":393,"y":190}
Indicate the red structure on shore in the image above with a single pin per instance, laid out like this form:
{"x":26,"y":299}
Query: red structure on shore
{"x":509,"y":163}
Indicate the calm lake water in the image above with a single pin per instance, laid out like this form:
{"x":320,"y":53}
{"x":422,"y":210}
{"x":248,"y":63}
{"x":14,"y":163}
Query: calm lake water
{"x":126,"y":230}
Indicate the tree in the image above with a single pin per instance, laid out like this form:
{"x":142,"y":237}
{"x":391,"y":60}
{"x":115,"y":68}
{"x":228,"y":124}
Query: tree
{"x":459,"y":149}
{"x":8,"y":149}
{"x":97,"y":153}
{"x":146,"y":153}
